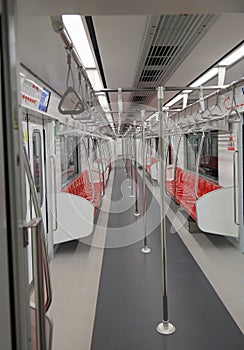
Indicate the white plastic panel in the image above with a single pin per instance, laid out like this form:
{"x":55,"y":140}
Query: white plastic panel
{"x":155,"y":171}
{"x":75,"y":216}
{"x":215,"y":213}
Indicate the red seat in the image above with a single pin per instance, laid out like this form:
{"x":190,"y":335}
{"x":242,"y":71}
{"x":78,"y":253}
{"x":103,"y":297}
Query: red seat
{"x":82,"y":187}
{"x":185,"y":189}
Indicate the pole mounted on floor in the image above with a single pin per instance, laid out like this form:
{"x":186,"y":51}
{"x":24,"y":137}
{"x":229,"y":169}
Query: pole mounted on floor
{"x":136,"y":213}
{"x":164,"y":327}
{"x":131,"y":185}
{"x":145,"y":249}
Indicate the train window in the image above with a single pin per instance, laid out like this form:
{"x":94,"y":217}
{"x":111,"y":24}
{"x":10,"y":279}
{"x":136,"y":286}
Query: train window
{"x":37,"y":165}
{"x":69,"y":152}
{"x":209,"y":156}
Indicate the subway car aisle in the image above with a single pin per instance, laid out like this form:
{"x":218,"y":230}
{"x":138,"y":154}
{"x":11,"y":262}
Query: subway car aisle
{"x":76,"y":270}
{"x":129,"y":299}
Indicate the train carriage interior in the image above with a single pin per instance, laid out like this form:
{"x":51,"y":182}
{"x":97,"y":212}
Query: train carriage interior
{"x":121,"y":173}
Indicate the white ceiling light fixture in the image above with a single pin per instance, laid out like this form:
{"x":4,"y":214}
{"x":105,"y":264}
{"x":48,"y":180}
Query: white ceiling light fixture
{"x":174,"y":100}
{"x":205,"y":77}
{"x":95,"y":79}
{"x":77,"y":33}
{"x":233,"y":57}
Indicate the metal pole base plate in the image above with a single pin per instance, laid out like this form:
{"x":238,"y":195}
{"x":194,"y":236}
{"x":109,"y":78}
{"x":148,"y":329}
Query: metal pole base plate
{"x":146,"y":250}
{"x":137,"y":214}
{"x":165,"y":328}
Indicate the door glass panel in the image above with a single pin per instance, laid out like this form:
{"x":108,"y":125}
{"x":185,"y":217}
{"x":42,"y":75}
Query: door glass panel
{"x":37,"y":165}
{"x":209,"y":156}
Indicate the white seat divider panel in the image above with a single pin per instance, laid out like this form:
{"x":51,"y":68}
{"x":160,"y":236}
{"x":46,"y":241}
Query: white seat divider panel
{"x":154,"y":171}
{"x":215,"y":212}
{"x":75,"y":217}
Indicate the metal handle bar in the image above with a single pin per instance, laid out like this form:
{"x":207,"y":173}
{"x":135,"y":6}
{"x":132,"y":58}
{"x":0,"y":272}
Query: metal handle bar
{"x":198,"y":163}
{"x":175,"y":165}
{"x":89,"y":169}
{"x":55,"y":192}
{"x":36,"y":227}
{"x":38,"y":214}
{"x":234,"y":185}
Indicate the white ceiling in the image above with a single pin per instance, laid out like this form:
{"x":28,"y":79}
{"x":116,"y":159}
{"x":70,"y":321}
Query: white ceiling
{"x":128,"y":7}
{"x":120,"y":39}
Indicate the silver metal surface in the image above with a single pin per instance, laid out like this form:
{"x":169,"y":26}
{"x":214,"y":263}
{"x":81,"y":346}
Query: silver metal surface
{"x":131,"y":167}
{"x":55,"y":192}
{"x":166,"y":88}
{"x":37,"y":258}
{"x":235,"y":153}
{"x":38,"y":214}
{"x":166,"y":328}
{"x":198,"y":164}
{"x":175,"y":164}
{"x":136,"y":213}
{"x":101,"y":165}
{"x":89,"y":169}
{"x":162,"y":211}
{"x":145,"y":249}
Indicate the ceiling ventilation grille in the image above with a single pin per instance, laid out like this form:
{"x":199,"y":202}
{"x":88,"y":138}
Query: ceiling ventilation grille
{"x":159,"y":55}
{"x":139,"y":98}
{"x":169,"y":40}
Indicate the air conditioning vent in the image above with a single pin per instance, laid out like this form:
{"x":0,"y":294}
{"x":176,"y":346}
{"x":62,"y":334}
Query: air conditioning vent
{"x":160,"y":55}
{"x":149,"y":75}
{"x":139,"y":98}
{"x":174,"y":38}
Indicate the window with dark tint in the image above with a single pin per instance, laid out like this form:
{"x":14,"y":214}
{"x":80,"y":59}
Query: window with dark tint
{"x":209,"y":155}
{"x":37,"y":164}
{"x":69,"y":151}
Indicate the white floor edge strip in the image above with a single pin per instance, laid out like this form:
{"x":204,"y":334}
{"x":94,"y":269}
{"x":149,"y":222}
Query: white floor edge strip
{"x":76,"y":279}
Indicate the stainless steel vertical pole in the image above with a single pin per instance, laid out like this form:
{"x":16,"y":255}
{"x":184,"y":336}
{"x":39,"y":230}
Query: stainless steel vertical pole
{"x":136,"y":213}
{"x":164,"y":327}
{"x":131,"y":167}
{"x":145,"y":249}
{"x":38,"y":283}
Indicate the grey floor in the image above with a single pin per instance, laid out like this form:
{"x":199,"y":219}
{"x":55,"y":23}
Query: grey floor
{"x":128,"y":284}
{"x":129,"y":299}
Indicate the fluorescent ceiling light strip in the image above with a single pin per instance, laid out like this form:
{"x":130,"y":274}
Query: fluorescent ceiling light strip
{"x":233,"y":57}
{"x":205,"y":77}
{"x":77,"y":33}
{"x":174,"y":100}
{"x":95,"y":79}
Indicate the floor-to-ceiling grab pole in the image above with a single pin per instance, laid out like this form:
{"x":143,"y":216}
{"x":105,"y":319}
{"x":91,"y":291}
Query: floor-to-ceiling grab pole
{"x":198,"y":164}
{"x":145,"y":249}
{"x":131,"y":167}
{"x":126,"y":157}
{"x":128,"y":160}
{"x":136,"y":213}
{"x":175,"y":164}
{"x":164,"y":327}
{"x":89,"y":168}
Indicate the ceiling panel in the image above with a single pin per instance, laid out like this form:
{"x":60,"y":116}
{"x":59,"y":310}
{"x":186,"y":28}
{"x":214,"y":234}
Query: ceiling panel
{"x":128,"y":7}
{"x":120,"y":39}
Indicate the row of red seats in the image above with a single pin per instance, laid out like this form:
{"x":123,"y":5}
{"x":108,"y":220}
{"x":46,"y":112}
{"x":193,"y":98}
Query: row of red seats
{"x":81,"y":186}
{"x":183,"y":191}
